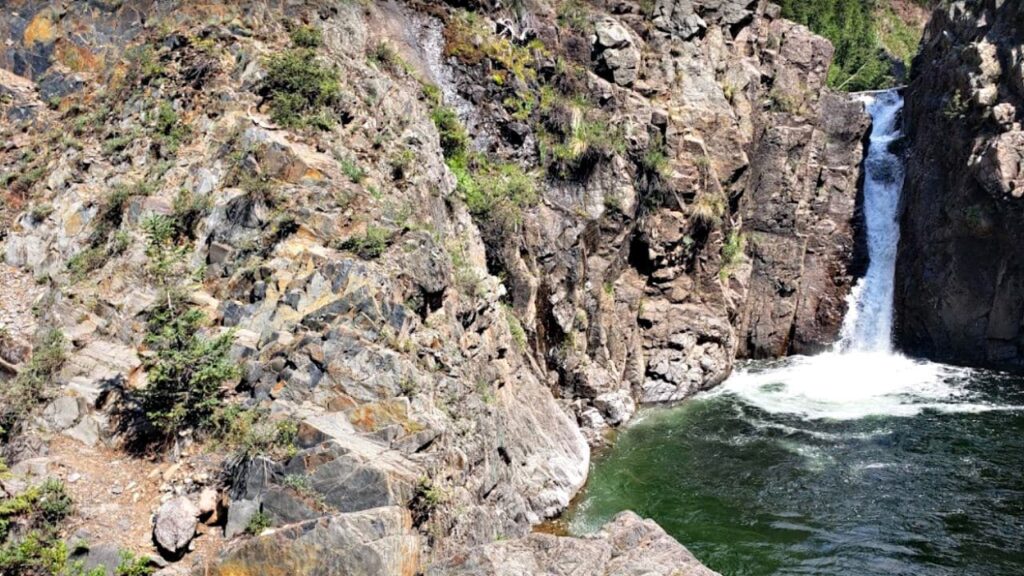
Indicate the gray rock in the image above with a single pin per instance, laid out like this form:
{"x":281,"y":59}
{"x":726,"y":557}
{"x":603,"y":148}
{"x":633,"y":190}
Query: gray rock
{"x":617,"y":407}
{"x":175,"y":525}
{"x":87,"y":431}
{"x":93,"y":557}
{"x":628,"y":545}
{"x":959,"y":294}
{"x":378,"y":541}
{"x":618,"y":57}
{"x":240,"y":512}
{"x":62,"y":413}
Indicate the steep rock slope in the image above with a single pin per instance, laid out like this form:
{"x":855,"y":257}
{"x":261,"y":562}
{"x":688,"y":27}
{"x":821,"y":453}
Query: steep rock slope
{"x":435,"y":319}
{"x":960,"y":271}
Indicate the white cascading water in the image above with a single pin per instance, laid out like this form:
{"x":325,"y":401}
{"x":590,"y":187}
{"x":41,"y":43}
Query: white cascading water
{"x":862,"y":375}
{"x":868,"y":323}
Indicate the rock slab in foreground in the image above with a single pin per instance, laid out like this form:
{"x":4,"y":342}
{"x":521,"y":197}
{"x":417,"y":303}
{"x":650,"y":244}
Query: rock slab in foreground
{"x":626,"y":545}
{"x":377,"y":541}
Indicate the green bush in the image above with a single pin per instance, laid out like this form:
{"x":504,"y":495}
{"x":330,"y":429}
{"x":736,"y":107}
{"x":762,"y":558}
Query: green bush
{"x":370,"y":244}
{"x":84,"y":262}
{"x":29,"y":530}
{"x":387,"y":58}
{"x":859,"y":62}
{"x":187,"y":370}
{"x":307,"y":37}
{"x":356,"y":174}
{"x":252,"y":433}
{"x":655,"y":158}
{"x":132,"y":565}
{"x":301,"y":89}
{"x":27,"y":390}
{"x":454,"y":139}
{"x":169,"y":131}
{"x":732,"y":252}
{"x":258,"y":523}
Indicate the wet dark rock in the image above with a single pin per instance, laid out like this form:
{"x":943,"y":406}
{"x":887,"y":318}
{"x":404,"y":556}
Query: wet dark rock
{"x":960,"y":270}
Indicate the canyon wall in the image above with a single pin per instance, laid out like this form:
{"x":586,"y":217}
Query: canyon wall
{"x":448,"y":316}
{"x":960,"y":270}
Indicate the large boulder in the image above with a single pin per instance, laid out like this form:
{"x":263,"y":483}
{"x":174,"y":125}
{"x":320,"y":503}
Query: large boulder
{"x":175,"y":525}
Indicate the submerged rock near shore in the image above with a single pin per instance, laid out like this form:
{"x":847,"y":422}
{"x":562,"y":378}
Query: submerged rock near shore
{"x":368,"y":279}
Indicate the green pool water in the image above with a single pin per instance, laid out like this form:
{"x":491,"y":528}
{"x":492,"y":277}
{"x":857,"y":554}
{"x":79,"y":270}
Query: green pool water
{"x":793,"y":468}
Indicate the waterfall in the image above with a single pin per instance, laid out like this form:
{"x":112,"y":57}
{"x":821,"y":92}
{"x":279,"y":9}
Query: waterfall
{"x":862,"y":375}
{"x":868,"y":323}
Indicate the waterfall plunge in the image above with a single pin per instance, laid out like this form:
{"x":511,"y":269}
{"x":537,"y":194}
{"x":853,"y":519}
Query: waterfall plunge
{"x":862,"y":375}
{"x":868,"y":323}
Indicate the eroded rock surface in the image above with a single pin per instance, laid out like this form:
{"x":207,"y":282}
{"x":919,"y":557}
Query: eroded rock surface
{"x":626,"y":545}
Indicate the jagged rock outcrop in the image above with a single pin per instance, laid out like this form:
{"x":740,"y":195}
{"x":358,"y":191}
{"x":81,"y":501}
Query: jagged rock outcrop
{"x":960,"y":271}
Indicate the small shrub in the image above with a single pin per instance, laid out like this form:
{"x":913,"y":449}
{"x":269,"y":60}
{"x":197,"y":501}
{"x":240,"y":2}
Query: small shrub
{"x":301,"y":90}
{"x":162,"y":249}
{"x":189,"y":210}
{"x":956,"y":107}
{"x":708,"y":209}
{"x":27,"y":390}
{"x":655,"y":159}
{"x":732,"y":252}
{"x":575,"y":15}
{"x":454,"y":139}
{"x":353,"y":170}
{"x":84,"y":262}
{"x":41,"y":212}
{"x":143,"y":64}
{"x":117,"y":144}
{"x":29,"y":530}
{"x":259,"y":522}
{"x":401,"y":163}
{"x":307,"y":37}
{"x":28,"y":178}
{"x":132,"y":565}
{"x":252,"y":433}
{"x":387,"y":58}
{"x":429,"y":494}
{"x":515,"y":327}
{"x":187,"y":371}
{"x":169,"y":131}
{"x":370,"y":244}
{"x":779,"y":101}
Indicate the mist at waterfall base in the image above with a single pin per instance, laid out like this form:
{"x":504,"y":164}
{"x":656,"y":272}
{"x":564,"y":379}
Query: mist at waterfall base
{"x":858,"y":461}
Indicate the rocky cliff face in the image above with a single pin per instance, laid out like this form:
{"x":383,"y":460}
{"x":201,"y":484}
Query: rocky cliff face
{"x":960,"y":272}
{"x":439,"y":321}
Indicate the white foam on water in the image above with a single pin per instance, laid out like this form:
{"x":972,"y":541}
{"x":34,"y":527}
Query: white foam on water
{"x":862,"y":376}
{"x":853,"y":385}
